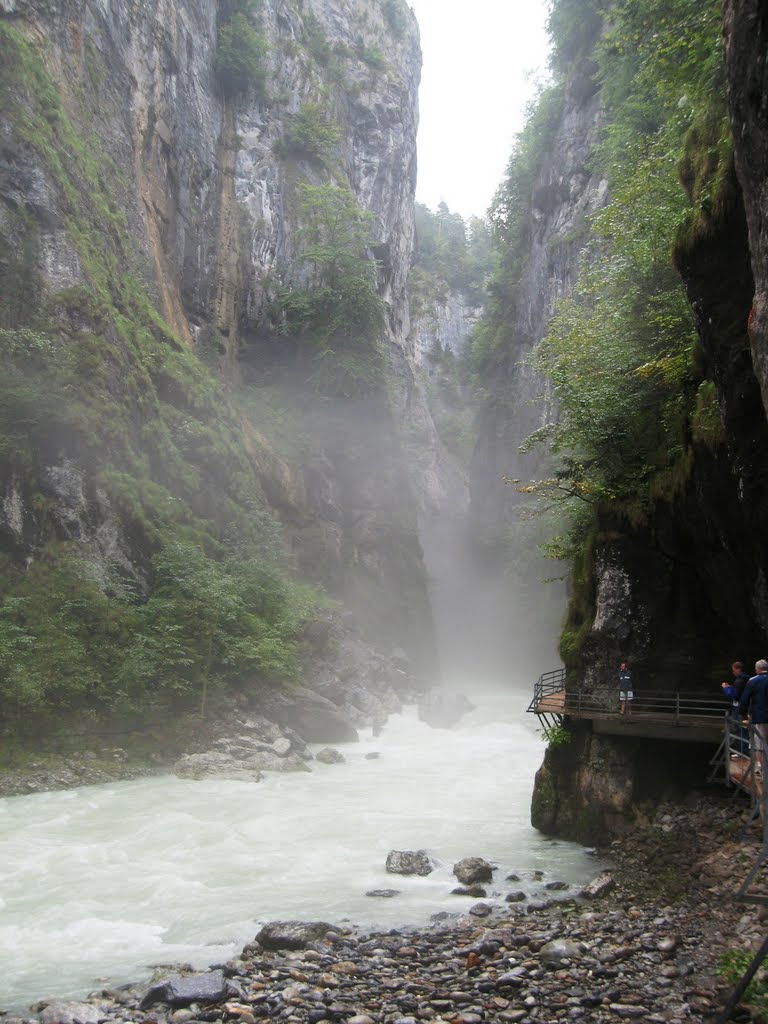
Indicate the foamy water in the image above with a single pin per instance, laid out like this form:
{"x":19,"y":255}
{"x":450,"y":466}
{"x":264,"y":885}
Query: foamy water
{"x":98,"y":884}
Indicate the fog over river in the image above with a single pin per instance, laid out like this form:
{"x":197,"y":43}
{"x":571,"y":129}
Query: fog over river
{"x":98,"y":884}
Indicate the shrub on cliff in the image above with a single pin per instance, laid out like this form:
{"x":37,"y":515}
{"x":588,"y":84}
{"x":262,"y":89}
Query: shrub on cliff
{"x":339,"y":318}
{"x":240,"y":53}
{"x":311,"y":134}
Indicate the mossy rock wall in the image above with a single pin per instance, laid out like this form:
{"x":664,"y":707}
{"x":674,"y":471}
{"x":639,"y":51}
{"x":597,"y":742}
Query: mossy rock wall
{"x":595,"y":787}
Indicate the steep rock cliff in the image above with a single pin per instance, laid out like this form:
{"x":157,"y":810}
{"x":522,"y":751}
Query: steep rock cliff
{"x":683,"y":593}
{"x":564,"y":193}
{"x":132,"y":182}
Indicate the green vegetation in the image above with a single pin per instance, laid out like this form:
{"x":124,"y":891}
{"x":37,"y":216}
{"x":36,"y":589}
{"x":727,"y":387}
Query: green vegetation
{"x":193,"y":598}
{"x":620,"y":355}
{"x":511,"y":220}
{"x":396,"y":16}
{"x":452,"y":260}
{"x":240,"y":50}
{"x":732,"y":966}
{"x":450,"y":255}
{"x":311,"y":133}
{"x":315,"y":39}
{"x":339,"y":319}
{"x":556,"y":735}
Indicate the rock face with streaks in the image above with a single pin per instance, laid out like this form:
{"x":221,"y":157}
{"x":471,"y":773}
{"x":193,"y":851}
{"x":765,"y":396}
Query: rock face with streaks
{"x":206,"y":185}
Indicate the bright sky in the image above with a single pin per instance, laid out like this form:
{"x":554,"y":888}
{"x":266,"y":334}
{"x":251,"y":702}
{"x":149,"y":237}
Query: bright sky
{"x":482,"y":59}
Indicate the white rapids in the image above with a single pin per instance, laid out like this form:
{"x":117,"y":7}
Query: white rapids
{"x":98,"y":884}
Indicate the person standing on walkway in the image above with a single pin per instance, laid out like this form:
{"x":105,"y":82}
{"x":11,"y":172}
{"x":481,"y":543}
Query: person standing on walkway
{"x":626,"y":693}
{"x":733,"y":690}
{"x":754,"y":702}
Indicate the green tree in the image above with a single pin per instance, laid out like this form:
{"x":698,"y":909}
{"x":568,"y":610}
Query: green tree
{"x":240,"y":49}
{"x":312,"y":133}
{"x":340,"y":317}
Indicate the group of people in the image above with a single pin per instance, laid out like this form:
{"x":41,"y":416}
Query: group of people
{"x":749,"y":703}
{"x":748,"y":696}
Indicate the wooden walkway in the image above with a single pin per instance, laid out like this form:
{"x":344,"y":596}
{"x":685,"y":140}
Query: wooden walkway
{"x":667,"y":714}
{"x":651,"y":713}
{"x":741,"y":759}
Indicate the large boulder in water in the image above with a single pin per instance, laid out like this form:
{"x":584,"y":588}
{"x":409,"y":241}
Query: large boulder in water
{"x":443,"y":710}
{"x":315,"y":718}
{"x":292,"y":934}
{"x":473,"y":870}
{"x":409,"y":862}
{"x":330,"y":755}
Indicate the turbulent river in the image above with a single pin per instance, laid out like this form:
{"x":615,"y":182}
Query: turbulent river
{"x":98,"y":884}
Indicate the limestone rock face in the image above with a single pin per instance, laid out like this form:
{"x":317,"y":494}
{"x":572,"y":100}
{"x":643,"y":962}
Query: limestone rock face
{"x":210,"y":201}
{"x":566,"y":193}
{"x":746,"y":37}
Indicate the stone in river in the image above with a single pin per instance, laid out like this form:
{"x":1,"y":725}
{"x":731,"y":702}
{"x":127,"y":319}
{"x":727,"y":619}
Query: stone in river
{"x":329,"y":755}
{"x":443,"y":710}
{"x":71,"y":1013}
{"x":292,"y":934}
{"x":384,"y":893}
{"x":409,"y":862}
{"x":181,"y":990}
{"x":472,"y":870}
{"x":215,"y":765}
{"x":469,"y":890}
{"x":480,"y":910}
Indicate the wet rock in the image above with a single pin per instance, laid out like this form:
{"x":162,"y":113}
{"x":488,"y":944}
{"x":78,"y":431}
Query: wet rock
{"x":515,"y":897}
{"x":72,"y":1013}
{"x":313,"y":716}
{"x":182,"y":990}
{"x":481,"y":910}
{"x":443,"y":710}
{"x":409,"y":862}
{"x":292,"y":934}
{"x":329,"y":755}
{"x":473,"y":870}
{"x":215,"y":764}
{"x":470,"y":890}
{"x":599,"y":886}
{"x":552,"y":953}
{"x":386,"y":894}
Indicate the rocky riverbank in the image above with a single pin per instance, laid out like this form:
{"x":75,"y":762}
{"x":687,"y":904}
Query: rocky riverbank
{"x":646,"y":948}
{"x":348,"y":686}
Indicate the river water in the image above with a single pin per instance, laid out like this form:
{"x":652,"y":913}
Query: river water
{"x":98,"y":884}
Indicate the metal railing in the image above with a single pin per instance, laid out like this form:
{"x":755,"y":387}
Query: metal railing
{"x":548,"y":683}
{"x":552,"y":696}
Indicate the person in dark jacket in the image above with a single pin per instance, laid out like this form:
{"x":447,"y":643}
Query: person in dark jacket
{"x":754,"y":702}
{"x":739,"y":742}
